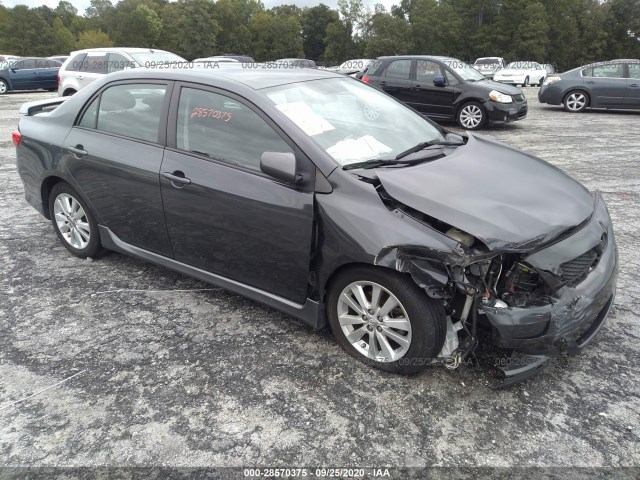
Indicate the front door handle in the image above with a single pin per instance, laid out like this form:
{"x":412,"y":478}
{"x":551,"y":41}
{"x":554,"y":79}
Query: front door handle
{"x":78,"y":151}
{"x":634,"y":85}
{"x":177,"y":178}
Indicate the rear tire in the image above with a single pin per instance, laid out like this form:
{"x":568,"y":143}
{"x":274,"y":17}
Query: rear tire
{"x":399,"y":328}
{"x":69,"y":93}
{"x":72,"y":221}
{"x":526,"y":82}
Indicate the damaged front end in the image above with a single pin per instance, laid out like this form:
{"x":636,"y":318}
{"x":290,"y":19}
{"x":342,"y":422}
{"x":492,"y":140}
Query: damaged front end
{"x":538,"y":300}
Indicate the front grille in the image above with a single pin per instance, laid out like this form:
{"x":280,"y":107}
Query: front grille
{"x":575,"y":270}
{"x":518,"y":98}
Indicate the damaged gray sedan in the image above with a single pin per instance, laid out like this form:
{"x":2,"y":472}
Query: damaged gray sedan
{"x":328,"y":200}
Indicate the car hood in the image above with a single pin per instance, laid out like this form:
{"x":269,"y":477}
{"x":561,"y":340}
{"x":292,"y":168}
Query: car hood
{"x":502,"y":196}
{"x":500,"y":87}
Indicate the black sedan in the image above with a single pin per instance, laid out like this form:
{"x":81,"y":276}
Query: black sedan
{"x":447,"y":89}
{"x":328,"y":200}
{"x":29,"y":74}
{"x":613,"y":84}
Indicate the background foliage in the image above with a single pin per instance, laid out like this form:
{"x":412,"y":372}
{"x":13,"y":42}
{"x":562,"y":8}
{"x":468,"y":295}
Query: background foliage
{"x":566,"y":33}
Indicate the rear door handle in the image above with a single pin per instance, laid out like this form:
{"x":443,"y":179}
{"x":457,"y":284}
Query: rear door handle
{"x":590,"y":82}
{"x":177,"y":178}
{"x":78,"y":151}
{"x":633,"y":85}
{"x":383,"y":83}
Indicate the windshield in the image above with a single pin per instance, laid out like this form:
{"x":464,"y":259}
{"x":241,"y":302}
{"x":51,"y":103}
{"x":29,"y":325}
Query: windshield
{"x":351,"y":121}
{"x":464,"y":70}
{"x":146,"y":59}
{"x":524,"y":66}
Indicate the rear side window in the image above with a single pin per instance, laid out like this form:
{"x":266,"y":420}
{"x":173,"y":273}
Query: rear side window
{"x":95,"y":64}
{"x":400,"y":69}
{"x":75,"y":64}
{"x":131,"y":110}
{"x":224,"y":129}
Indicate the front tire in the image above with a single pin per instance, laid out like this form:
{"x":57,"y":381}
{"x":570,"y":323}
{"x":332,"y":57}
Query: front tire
{"x":383,"y":319}
{"x":72,"y":221}
{"x":576,"y":101}
{"x":472,"y":116}
{"x":4,"y":87}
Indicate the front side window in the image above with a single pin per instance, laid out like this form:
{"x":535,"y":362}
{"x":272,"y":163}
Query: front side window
{"x":131,"y":110}
{"x":224,"y":129}
{"x":400,"y":69}
{"x":614,"y":70}
{"x":426,"y":71}
{"x":27,"y":63}
{"x":463,"y":70}
{"x":118,"y":62}
{"x":351,"y":121}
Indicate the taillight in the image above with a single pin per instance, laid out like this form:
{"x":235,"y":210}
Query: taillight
{"x":58,"y":81}
{"x":16,"y":136}
{"x":365,"y":79}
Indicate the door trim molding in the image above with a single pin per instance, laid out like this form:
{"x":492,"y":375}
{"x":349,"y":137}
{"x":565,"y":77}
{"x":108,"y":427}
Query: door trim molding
{"x":308,"y":313}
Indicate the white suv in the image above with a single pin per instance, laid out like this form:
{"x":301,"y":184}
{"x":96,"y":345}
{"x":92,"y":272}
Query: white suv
{"x":85,"y":66}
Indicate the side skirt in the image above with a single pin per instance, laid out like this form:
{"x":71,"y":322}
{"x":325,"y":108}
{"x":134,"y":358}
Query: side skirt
{"x":309,"y":312}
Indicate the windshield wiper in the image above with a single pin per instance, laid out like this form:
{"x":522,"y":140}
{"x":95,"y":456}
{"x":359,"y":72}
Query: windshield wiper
{"x":382,"y":162}
{"x":423,"y":145}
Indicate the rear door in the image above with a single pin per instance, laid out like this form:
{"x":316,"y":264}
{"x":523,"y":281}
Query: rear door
{"x":395,"y":79}
{"x":114,"y":154}
{"x":93,"y":67}
{"x":632,"y":98}
{"x":430,"y":100}
{"x":607,"y":85}
{"x":47,"y":73}
{"x":226,"y":216}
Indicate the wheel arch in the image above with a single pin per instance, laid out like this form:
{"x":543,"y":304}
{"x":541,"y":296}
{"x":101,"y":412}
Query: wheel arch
{"x":45,"y":189}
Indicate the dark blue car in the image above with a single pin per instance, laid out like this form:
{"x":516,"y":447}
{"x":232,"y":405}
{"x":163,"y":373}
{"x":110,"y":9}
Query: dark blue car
{"x":29,"y":74}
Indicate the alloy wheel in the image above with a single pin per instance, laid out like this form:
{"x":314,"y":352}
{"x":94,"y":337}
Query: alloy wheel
{"x":374,"y":321}
{"x":576,"y":101}
{"x":72,"y":221}
{"x":3,"y":87}
{"x":471,"y":116}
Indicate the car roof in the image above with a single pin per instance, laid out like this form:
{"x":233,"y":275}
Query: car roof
{"x":231,"y":73}
{"x":411,"y":57}
{"x":118,"y":49}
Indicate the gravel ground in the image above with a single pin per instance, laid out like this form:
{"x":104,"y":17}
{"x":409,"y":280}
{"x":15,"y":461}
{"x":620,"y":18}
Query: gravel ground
{"x":163,"y":376}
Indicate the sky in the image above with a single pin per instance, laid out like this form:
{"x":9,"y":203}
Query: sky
{"x":82,"y":4}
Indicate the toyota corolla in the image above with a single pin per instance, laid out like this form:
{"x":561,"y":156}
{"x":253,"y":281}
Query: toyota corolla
{"x":331,"y":201}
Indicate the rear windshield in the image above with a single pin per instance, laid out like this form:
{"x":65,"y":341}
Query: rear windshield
{"x":487,"y":61}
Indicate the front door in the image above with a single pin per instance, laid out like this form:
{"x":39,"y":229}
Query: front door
{"x":632,"y":99}
{"x":223,"y":214}
{"x":607,"y":85}
{"x":432,"y":101}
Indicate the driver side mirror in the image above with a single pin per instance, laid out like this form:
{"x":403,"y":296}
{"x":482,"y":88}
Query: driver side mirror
{"x":439,"y":81}
{"x":280,"y":165}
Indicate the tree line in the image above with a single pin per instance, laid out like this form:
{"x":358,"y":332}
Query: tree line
{"x":565,"y":33}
